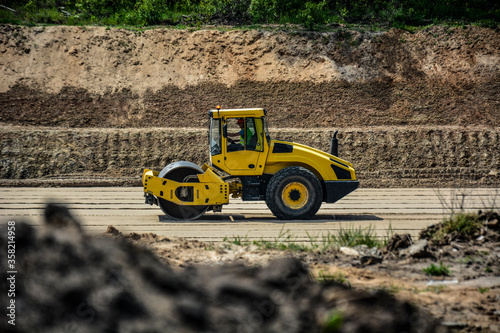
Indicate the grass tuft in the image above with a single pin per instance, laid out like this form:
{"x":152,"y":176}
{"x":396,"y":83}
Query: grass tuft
{"x":337,"y":277}
{"x":353,"y":236}
{"x":466,"y":224}
{"x":285,"y":241}
{"x":433,"y":270}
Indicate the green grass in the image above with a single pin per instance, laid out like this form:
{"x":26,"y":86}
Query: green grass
{"x":460,"y":225}
{"x":466,"y":224}
{"x":285,"y":241}
{"x":391,"y":288}
{"x":483,"y":290}
{"x":337,"y":277}
{"x":353,"y":236}
{"x":332,"y":322}
{"x":433,"y":270}
{"x":434,"y":289}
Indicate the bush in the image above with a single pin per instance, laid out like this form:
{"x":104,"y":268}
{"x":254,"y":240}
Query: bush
{"x":398,"y":13}
{"x":102,"y":8}
{"x":464,"y":224}
{"x":149,"y":11}
{"x":313,"y":14}
{"x":262,"y":11}
{"x":226,"y":11}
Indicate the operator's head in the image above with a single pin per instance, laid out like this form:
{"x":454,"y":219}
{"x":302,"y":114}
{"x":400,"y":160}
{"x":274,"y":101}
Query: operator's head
{"x":240,"y":122}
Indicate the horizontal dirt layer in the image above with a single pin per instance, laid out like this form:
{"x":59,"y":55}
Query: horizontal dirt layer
{"x":395,"y":156}
{"x":98,"y":77}
{"x":301,"y":104}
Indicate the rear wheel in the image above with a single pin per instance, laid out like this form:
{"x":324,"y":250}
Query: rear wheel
{"x":181,"y":171}
{"x":294,"y":193}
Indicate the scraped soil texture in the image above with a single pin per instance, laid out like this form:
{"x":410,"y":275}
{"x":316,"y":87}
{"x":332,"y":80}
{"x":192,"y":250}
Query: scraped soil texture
{"x":383,"y":156}
{"x":59,"y":81}
{"x":69,"y":281}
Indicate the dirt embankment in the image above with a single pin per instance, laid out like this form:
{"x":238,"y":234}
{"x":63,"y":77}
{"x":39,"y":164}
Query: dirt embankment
{"x":397,"y":156}
{"x":95,"y":77}
{"x":98,"y":77}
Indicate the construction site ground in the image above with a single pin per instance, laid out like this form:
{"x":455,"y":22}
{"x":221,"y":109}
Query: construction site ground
{"x":93,"y":106}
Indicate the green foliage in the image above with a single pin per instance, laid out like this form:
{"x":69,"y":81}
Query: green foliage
{"x":262,"y":11}
{"x":483,"y":290}
{"x":353,"y":236}
{"x":313,"y":14}
{"x":337,"y":277}
{"x":236,"y":240}
{"x":465,"y":224}
{"x":343,"y":237}
{"x":101,"y":8}
{"x":458,"y":226}
{"x":225,"y":11}
{"x":149,"y":11}
{"x":333,"y":322}
{"x":310,"y":13}
{"x":434,"y":270}
{"x":284,"y":242}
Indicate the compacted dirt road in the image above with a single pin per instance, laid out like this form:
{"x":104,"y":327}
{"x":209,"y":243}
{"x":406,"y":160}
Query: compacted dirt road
{"x":402,"y":210}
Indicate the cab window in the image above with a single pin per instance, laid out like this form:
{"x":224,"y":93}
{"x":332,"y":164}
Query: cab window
{"x":243,"y":134}
{"x":214,"y":137}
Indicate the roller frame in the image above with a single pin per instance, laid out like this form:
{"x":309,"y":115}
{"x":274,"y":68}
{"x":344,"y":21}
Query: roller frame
{"x":210,"y":191}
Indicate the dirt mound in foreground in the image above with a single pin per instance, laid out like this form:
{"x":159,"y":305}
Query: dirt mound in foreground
{"x":456,"y":279}
{"x":67,"y":281}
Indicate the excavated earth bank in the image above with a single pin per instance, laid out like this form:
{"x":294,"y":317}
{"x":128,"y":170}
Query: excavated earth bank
{"x":383,"y":156}
{"x":413,"y":108}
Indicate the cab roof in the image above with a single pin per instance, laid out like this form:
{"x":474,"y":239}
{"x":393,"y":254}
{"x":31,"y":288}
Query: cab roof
{"x":255,"y":112}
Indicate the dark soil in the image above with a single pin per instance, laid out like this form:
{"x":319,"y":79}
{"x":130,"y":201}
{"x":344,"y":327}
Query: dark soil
{"x":296,"y":105}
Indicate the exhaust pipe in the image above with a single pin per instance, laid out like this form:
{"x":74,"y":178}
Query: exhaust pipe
{"x":334,"y":145}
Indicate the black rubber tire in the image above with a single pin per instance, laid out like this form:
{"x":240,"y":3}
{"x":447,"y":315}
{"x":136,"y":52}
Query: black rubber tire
{"x":279,"y":183}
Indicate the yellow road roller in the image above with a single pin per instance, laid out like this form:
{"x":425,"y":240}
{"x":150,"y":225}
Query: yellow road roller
{"x":245,"y":162}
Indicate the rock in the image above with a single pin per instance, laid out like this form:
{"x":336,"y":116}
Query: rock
{"x":418,"y":247}
{"x":418,"y":250}
{"x":368,"y":256}
{"x":398,"y":242}
{"x":349,"y":251}
{"x":492,"y":224}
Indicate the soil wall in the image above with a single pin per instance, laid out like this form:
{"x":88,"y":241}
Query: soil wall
{"x":414,"y":109}
{"x":100,"y":77}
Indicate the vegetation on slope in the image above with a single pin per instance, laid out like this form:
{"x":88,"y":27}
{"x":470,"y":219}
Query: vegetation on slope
{"x":310,"y":13}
